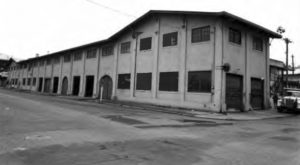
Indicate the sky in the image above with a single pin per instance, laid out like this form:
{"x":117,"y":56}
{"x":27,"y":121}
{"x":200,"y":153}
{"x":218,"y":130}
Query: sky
{"x":30,"y":27}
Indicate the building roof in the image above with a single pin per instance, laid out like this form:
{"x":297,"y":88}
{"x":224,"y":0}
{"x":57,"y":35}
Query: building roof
{"x":277,"y":63}
{"x":129,"y":27}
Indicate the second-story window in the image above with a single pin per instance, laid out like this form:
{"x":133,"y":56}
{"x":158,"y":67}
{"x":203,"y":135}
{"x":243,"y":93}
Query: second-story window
{"x":56,"y":60}
{"x":91,"y":53}
{"x":258,"y":43}
{"x":48,"y":61}
{"x":170,"y":39}
{"x":146,"y":43}
{"x":125,"y":47}
{"x":201,"y":34}
{"x":235,"y":36}
{"x":67,"y":58}
{"x":77,"y":56}
{"x":108,"y":50}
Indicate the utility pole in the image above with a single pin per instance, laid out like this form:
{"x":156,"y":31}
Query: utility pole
{"x":287,"y":42}
{"x":293,"y":65}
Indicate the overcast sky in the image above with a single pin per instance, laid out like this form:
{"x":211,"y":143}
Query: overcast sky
{"x":28,"y":27}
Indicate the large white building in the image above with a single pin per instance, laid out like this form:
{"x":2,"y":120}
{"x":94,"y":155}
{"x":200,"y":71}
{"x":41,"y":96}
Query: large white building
{"x":203,"y":60}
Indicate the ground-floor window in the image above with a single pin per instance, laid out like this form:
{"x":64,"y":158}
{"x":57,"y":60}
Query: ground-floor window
{"x":143,"y":81}
{"x":124,"y":81}
{"x":168,"y":81}
{"x":199,"y":81}
{"x":76,"y":85}
{"x":24,"y":81}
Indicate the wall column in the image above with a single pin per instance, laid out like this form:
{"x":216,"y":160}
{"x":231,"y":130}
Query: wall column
{"x":82,"y":79}
{"x":183,"y":54}
{"x":155,"y":72}
{"x":60,"y":75}
{"x":267,"y":75}
{"x":97,"y":82}
{"x":115,"y":74}
{"x":71,"y":75}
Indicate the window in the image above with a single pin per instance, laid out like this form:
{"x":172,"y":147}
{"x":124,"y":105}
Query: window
{"x":107,"y":50}
{"x":77,"y":56}
{"x":67,"y":58}
{"x":29,"y":81}
{"x":199,"y":81}
{"x":91,"y":53}
{"x":143,"y":81}
{"x":258,"y":43}
{"x":168,"y":81}
{"x":125,"y":47}
{"x":24,"y":81}
{"x":146,"y":43}
{"x":34,"y":81}
{"x":201,"y":34}
{"x":235,"y":36}
{"x":41,"y":63}
{"x":170,"y":39}
{"x":124,"y":81}
{"x":48,"y":61}
{"x":56,"y":60}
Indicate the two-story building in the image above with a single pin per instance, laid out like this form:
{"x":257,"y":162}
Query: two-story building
{"x":202,"y":60}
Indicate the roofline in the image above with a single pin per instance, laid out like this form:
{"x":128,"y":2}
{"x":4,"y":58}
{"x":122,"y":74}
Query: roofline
{"x":150,"y":12}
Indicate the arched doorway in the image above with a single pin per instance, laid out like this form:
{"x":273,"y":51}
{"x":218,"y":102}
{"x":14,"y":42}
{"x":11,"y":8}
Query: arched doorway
{"x":64,"y":88}
{"x":106,"y":84}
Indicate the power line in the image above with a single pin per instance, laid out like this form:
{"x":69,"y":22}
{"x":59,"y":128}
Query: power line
{"x":111,"y":9}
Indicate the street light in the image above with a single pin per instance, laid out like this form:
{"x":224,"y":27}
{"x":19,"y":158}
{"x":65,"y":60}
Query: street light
{"x":287,"y":41}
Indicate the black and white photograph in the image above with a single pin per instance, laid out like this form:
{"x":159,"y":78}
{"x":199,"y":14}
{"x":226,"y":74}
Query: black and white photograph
{"x":149,"y":82}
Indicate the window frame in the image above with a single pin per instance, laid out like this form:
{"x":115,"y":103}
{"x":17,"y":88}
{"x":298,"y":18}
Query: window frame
{"x":167,"y":39}
{"x":201,"y":35}
{"x":232,"y":38}
{"x":167,"y":83}
{"x":91,"y":53}
{"x":254,"y":44}
{"x":105,"y":50}
{"x":200,"y":89}
{"x":126,"y":45}
{"x":121,"y":84}
{"x":147,"y":87}
{"x":143,"y":40}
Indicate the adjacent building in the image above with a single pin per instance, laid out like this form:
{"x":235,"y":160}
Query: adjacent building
{"x":202,"y":60}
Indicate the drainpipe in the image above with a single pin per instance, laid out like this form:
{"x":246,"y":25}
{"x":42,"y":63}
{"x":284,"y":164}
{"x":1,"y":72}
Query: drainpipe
{"x":136,"y":35}
{"x":222,"y":74}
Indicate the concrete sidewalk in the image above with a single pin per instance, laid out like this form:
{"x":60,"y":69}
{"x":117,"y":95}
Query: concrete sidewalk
{"x":234,"y":116}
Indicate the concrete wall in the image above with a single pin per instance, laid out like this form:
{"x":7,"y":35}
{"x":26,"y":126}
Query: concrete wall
{"x":183,"y":57}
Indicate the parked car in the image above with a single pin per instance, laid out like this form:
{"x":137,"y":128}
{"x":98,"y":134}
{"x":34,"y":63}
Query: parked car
{"x":290,"y":101}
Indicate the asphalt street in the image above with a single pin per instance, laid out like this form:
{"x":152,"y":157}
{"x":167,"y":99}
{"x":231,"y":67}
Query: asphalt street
{"x":51,"y":130}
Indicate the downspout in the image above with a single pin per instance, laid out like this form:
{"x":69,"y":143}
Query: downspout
{"x":222,"y":77}
{"x":135,"y":60}
{"x":213,"y":68}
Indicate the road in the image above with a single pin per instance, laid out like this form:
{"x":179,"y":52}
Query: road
{"x":46,"y":130}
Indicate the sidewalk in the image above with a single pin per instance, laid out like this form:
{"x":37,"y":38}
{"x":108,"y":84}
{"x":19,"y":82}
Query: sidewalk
{"x":233,"y":116}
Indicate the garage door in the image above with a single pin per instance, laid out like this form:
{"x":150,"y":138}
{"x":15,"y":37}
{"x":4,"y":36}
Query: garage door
{"x":234,"y":91}
{"x":257,"y":93}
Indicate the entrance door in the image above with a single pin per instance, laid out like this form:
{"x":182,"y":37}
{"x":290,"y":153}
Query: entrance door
{"x":234,"y":91}
{"x":40,"y":84}
{"x":106,"y":83}
{"x":76,"y":85}
{"x":89,"y":87}
{"x":257,"y":93}
{"x":55,"y":84}
{"x":47,"y":85}
{"x":64,"y":88}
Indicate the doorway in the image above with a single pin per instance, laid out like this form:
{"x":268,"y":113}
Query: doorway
{"x":234,"y":91}
{"x":55,"y":84}
{"x":40,"y":84}
{"x":89,"y":87}
{"x":257,"y":93}
{"x":76,"y":85}
{"x":64,"y":88}
{"x":47,"y":85}
{"x":106,"y":84}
